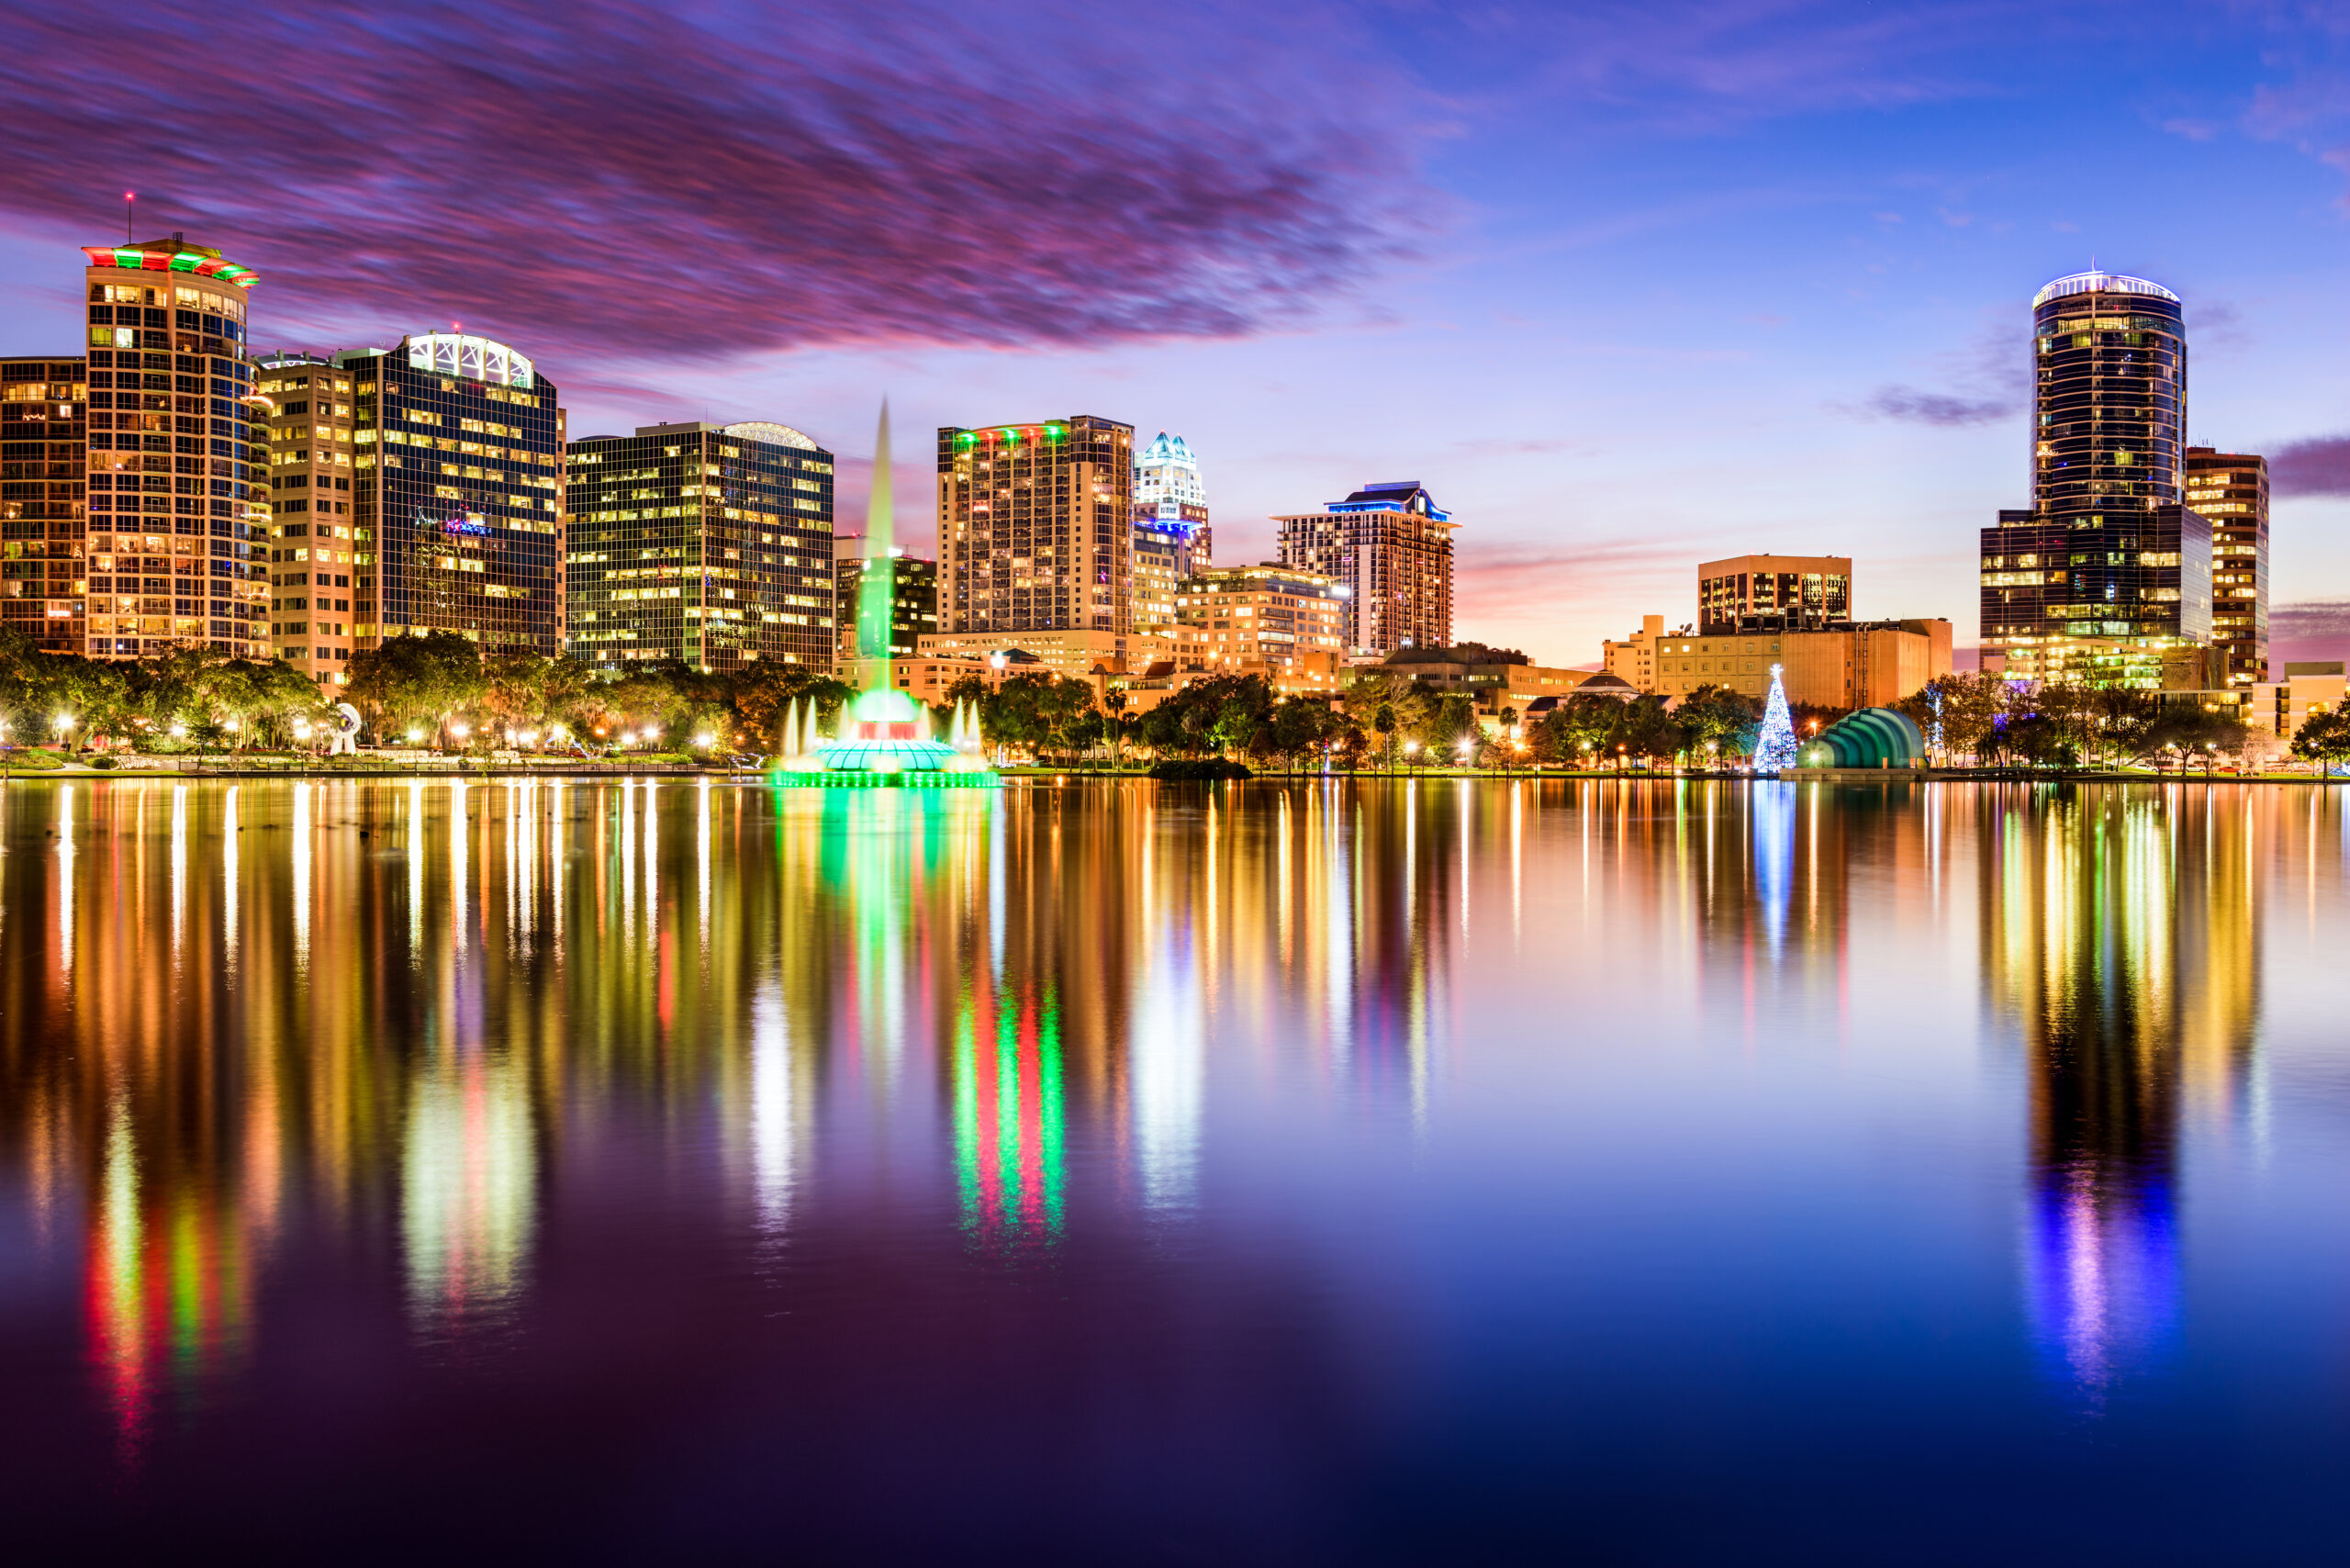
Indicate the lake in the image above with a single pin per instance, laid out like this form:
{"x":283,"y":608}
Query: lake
{"x":1458,"y":1170}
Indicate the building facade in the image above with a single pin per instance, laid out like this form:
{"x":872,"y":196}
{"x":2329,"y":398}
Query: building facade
{"x":2231,"y":489}
{"x":1851,"y":665}
{"x":1389,"y":547}
{"x":303,"y":429}
{"x":914,"y":598}
{"x":150,"y":494}
{"x":1495,"y":681}
{"x":709,"y":544}
{"x":1633,"y":660}
{"x":45,"y":565}
{"x":1036,"y":527}
{"x":1773,"y":593}
{"x":456,"y":521}
{"x":2108,"y":573}
{"x":1172,"y":539}
{"x":1272,"y":616}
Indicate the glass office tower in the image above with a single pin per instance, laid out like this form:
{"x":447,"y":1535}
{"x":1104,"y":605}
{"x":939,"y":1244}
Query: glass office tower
{"x":711,"y":544}
{"x":456,"y":498}
{"x":2106,"y":577}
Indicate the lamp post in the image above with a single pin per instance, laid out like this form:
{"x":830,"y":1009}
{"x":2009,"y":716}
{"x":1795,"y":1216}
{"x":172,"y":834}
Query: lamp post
{"x":1411,"y":750}
{"x":64,"y":728}
{"x":1469,"y":752}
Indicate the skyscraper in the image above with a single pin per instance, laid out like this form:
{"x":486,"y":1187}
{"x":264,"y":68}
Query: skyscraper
{"x":1389,"y":547}
{"x":166,"y":532}
{"x":707,"y":543}
{"x":456,"y":499}
{"x":1171,"y":538}
{"x":1036,"y":527}
{"x":2232,"y":489}
{"x":2106,"y":577}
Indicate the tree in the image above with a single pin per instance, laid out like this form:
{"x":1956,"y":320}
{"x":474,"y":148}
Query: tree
{"x":418,"y":679}
{"x":763,"y":692}
{"x":2325,"y":739}
{"x":1717,"y":717}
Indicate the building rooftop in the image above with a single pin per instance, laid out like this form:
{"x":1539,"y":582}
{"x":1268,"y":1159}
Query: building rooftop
{"x":2095,"y":282}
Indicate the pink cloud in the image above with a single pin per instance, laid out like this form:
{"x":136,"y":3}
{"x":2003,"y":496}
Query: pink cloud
{"x":700,"y":181}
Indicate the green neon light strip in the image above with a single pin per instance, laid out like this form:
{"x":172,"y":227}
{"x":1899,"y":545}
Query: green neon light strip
{"x":171,"y":262}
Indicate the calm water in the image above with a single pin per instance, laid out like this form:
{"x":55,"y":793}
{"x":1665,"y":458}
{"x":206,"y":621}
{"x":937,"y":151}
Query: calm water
{"x":1460,"y":1172}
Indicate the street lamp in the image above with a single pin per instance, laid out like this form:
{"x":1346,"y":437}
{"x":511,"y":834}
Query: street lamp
{"x":414,"y":734}
{"x":702,"y":741}
{"x":1410,"y":748}
{"x":64,"y":727}
{"x":179,"y":732}
{"x":460,"y":729}
{"x":1468,"y":752}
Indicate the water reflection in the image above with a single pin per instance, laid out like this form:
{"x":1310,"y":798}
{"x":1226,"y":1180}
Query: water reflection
{"x":257,"y":1033}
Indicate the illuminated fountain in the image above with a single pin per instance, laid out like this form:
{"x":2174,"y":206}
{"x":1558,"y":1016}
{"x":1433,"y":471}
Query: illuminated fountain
{"x":885,"y":736}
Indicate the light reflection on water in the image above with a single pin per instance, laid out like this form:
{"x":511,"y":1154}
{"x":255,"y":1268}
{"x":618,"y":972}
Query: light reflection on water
{"x":1296,"y":1096}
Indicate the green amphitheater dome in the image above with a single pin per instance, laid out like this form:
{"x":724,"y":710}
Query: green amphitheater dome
{"x":1873,"y":737}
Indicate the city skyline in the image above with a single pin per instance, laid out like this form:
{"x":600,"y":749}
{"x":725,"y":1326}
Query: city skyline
{"x":1529,"y":300}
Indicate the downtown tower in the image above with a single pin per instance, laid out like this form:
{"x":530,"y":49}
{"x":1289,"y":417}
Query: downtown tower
{"x":2106,"y":579}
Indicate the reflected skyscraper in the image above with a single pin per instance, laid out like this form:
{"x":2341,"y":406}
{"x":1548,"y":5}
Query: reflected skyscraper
{"x":2127,"y":969}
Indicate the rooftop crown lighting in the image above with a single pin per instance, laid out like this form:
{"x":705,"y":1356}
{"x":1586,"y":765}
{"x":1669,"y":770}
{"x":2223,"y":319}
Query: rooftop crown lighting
{"x":202,"y":265}
{"x":476,"y":359}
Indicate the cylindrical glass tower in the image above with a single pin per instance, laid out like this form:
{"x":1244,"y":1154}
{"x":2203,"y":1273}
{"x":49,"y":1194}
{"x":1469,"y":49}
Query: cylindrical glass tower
{"x":2109,"y":396}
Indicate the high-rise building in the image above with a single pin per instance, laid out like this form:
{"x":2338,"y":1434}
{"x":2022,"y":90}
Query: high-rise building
{"x":43,"y":464}
{"x":2231,"y":488}
{"x":711,"y":544}
{"x":457,"y":519}
{"x":1171,"y":536}
{"x":1036,"y":527}
{"x":1773,"y":593}
{"x":303,"y":433}
{"x":2106,"y":577}
{"x":166,"y":495}
{"x":914,"y":598}
{"x":1389,"y":547}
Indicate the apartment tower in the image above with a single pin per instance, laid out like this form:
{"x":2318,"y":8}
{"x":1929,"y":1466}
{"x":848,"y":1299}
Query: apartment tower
{"x":1390,"y":548}
{"x":1036,"y":527}
{"x":149,"y":491}
{"x":2231,"y":488}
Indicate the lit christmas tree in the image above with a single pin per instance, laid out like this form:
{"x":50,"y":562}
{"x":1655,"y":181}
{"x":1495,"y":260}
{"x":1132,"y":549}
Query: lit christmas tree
{"x":1775,"y":748}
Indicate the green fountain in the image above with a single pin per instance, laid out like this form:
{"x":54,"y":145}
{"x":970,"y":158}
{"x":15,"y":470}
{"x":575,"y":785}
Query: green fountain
{"x":884,"y":739}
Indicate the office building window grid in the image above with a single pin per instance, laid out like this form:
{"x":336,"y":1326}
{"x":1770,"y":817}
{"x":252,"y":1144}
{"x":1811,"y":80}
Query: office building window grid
{"x":709,"y":544}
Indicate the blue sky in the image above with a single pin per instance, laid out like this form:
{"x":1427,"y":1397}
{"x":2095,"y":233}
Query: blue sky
{"x":1627,"y":286}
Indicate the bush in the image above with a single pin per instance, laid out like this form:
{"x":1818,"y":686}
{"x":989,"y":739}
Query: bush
{"x":1184,"y":772}
{"x":32,"y":759}
{"x":106,"y":762}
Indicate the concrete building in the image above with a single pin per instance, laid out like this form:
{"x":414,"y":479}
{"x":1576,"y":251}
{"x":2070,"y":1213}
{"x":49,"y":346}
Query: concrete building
{"x":1067,"y":653}
{"x":1036,"y":528}
{"x":134,"y":501}
{"x":1276,"y":616}
{"x":302,"y":431}
{"x":1773,"y":593}
{"x":1389,"y":547}
{"x":1853,"y":664}
{"x":2307,"y":690}
{"x":2231,"y":488}
{"x":1633,"y":660}
{"x":1495,"y":678}
{"x":711,"y":544}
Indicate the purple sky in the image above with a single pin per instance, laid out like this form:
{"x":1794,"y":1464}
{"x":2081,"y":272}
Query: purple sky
{"x":1627,"y":284}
